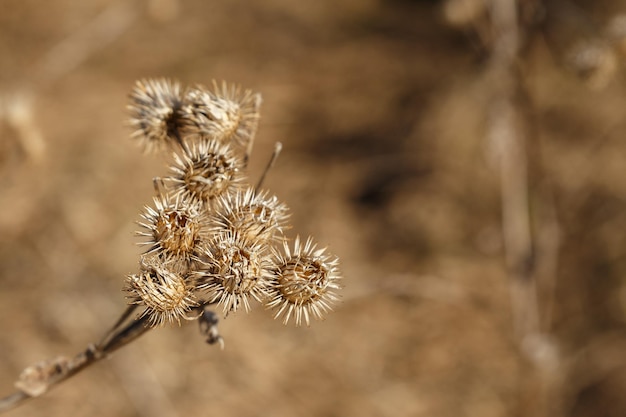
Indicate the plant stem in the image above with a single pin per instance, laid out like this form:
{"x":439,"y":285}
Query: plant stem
{"x":52,"y":373}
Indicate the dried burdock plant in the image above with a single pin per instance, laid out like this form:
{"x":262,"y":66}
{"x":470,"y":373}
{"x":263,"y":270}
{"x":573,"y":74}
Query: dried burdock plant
{"x":206,"y":169}
{"x":234,"y":270}
{"x":304,"y":282}
{"x":227,"y":113}
{"x":165,"y":294}
{"x":254,"y":215}
{"x":211,"y":239}
{"x":173,"y":229}
{"x":156,"y":108}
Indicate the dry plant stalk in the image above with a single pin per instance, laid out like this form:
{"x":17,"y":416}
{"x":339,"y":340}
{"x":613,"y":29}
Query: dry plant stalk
{"x":211,"y":239}
{"x":509,"y":130}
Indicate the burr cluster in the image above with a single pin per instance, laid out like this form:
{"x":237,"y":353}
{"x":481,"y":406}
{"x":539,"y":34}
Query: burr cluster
{"x":210,"y":237}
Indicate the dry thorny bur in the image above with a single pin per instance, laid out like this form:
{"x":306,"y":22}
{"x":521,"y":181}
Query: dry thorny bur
{"x":212,"y":239}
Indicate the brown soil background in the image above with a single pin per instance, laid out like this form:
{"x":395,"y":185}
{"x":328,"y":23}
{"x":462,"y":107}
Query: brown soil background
{"x":381,"y":108}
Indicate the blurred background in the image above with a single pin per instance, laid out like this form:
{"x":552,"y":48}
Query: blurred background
{"x":464,"y":159}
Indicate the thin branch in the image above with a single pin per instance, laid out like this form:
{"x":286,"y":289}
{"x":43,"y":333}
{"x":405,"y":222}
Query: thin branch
{"x":277,"y":148}
{"x":507,"y":132}
{"x":123,"y":317}
{"x":39,"y":378}
{"x":13,"y":400}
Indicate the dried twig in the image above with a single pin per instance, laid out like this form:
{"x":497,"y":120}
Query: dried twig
{"x":41,"y":377}
{"x":277,"y":148}
{"x":507,"y":132}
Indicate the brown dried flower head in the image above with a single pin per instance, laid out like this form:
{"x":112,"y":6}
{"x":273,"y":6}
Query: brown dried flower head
{"x":304,"y":282}
{"x":255,"y":216}
{"x":209,"y":235}
{"x":206,"y":170}
{"x":164,"y":293}
{"x":173,"y":228}
{"x":156,"y":112}
{"x":234,"y":270}
{"x":227,"y":113}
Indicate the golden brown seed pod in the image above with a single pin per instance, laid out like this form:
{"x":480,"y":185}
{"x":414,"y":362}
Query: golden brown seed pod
{"x":156,"y":113}
{"x":205,"y":170}
{"x":173,"y":228}
{"x":233,"y":271}
{"x":226,"y":114}
{"x":304,"y":282}
{"x":255,"y":216}
{"x":165,"y":295}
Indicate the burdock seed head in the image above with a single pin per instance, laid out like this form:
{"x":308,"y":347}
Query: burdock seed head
{"x":156,"y":113}
{"x":205,"y":170}
{"x":226,"y":114}
{"x":165,"y":294}
{"x":173,"y":229}
{"x":234,"y":271}
{"x":255,"y":216}
{"x":304,"y":282}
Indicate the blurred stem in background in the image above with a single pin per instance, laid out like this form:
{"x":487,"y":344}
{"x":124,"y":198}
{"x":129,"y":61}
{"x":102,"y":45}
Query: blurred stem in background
{"x":509,"y":129}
